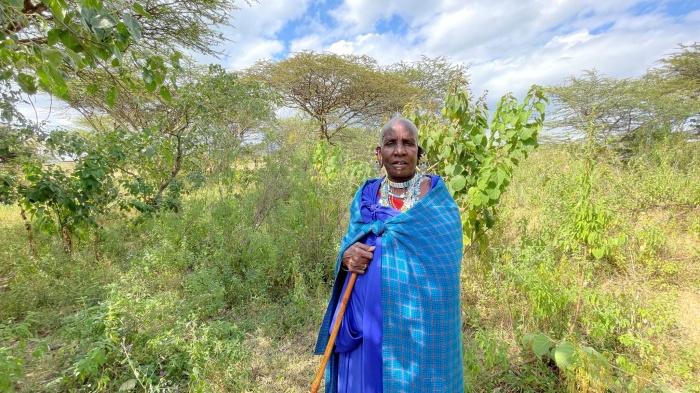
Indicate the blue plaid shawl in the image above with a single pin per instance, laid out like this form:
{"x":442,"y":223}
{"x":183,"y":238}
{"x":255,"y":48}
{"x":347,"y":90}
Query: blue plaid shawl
{"x":421,"y":325}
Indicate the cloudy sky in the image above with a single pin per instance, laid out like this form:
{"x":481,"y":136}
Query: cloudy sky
{"x":508,"y":44}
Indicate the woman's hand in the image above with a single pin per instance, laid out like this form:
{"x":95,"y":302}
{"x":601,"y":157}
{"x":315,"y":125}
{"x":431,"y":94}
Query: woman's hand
{"x":357,"y":257}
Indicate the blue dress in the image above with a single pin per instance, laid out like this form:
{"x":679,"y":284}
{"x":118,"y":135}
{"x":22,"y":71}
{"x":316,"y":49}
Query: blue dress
{"x":359,"y":340}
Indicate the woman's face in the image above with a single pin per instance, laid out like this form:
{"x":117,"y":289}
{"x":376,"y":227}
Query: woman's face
{"x":399,"y":153}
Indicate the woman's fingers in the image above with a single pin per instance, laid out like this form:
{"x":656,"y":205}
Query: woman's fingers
{"x":359,"y":256}
{"x":364,"y":255}
{"x":364,"y":246}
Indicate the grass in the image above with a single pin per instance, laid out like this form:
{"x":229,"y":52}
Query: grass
{"x":227,"y":295}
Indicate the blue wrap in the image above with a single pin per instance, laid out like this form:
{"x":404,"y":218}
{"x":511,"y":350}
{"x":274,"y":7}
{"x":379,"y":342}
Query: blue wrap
{"x":421,"y":252}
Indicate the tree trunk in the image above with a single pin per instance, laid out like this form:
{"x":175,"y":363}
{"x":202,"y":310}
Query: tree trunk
{"x":173,"y":173}
{"x":67,"y":240}
{"x":28,"y":227}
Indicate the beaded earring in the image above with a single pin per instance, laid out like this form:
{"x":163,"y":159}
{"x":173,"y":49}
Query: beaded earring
{"x":422,"y":163}
{"x":378,"y":165}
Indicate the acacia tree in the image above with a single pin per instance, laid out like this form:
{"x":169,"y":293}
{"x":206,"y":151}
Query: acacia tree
{"x":338,"y":91}
{"x":680,"y":80}
{"x":433,"y":76}
{"x":613,"y":105}
{"x":632,"y":109}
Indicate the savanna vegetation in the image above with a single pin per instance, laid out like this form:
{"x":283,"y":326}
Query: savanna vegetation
{"x":182,"y":237}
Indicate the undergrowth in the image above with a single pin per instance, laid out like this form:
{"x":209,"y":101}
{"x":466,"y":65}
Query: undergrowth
{"x":227,"y":295}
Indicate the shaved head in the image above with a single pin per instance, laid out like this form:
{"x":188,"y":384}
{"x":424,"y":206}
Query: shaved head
{"x":398,"y":120}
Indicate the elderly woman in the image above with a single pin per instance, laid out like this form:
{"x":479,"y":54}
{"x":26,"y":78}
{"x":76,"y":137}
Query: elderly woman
{"x":401,"y":331}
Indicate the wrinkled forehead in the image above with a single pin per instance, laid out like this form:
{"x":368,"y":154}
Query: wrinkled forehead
{"x":398,"y":126}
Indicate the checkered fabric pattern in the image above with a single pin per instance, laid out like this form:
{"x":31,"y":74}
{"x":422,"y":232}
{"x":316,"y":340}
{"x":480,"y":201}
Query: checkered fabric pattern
{"x":421,"y":260}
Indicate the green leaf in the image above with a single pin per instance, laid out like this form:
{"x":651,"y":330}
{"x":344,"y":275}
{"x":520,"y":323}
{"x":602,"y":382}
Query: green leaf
{"x":165,"y":94}
{"x":592,"y":353}
{"x":58,"y":8}
{"x":27,"y":83}
{"x":444,"y":151}
{"x":598,"y":252}
{"x":59,"y":83}
{"x":102,"y":52}
{"x":149,"y":79}
{"x":527,"y":339}
{"x":564,"y":355}
{"x":541,"y":344}
{"x":474,"y":196}
{"x":150,"y":151}
{"x":484,"y":198}
{"x":128,"y":385}
{"x":526,"y":132}
{"x":458,"y":182}
{"x":7,"y":115}
{"x":116,"y":52}
{"x":111,"y":96}
{"x":142,"y":11}
{"x":540,"y":107}
{"x":133,"y":26}
{"x":53,"y":56}
{"x":16,"y":3}
{"x":43,"y":74}
{"x":74,"y":59}
{"x":502,"y":176}
{"x":103,"y":22}
{"x":53,"y":36}
{"x":69,"y":40}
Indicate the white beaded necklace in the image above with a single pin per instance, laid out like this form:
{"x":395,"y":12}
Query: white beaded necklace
{"x":410,"y":196}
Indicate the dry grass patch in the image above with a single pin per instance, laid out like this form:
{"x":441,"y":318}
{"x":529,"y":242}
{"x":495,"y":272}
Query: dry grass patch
{"x":287,"y":365}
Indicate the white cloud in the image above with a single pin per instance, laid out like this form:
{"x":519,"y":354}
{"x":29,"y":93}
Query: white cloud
{"x":253,"y":51}
{"x":314,"y":42}
{"x":385,"y":48}
{"x":342,"y":47}
{"x":622,"y":52}
{"x":693,"y":17}
{"x":254,"y":35}
{"x":570,"y":40}
{"x":511,"y":44}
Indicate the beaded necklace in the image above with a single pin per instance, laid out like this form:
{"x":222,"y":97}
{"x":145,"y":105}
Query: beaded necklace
{"x":409,"y":197}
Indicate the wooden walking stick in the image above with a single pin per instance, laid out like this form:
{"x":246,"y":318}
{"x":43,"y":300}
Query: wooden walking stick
{"x":334,"y":334}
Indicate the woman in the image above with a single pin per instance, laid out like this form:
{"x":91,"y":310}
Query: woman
{"x":401,"y":331}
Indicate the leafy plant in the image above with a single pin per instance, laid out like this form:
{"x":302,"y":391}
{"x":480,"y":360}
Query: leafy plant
{"x":67,"y":202}
{"x":586,"y":368}
{"x":11,"y":365}
{"x":477,"y":157}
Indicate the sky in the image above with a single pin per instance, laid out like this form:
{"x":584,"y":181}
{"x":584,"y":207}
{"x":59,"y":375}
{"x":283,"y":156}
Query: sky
{"x":508,"y":45}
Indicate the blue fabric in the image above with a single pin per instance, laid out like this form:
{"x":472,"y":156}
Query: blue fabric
{"x":360,"y":336}
{"x":421,"y":250}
